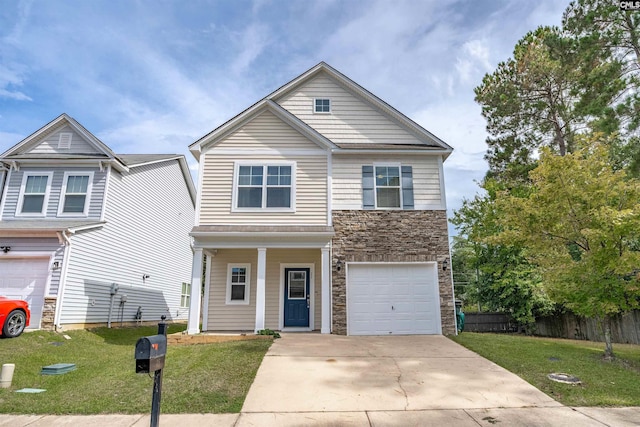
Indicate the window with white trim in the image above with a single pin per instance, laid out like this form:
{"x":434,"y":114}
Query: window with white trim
{"x":76,"y":193}
{"x":185,"y":295}
{"x":322,"y":105}
{"x":387,"y":185}
{"x":34,"y":194}
{"x":238,"y":283}
{"x":267,"y":186}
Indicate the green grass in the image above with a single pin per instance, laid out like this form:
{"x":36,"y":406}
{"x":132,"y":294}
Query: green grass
{"x":205,"y":378}
{"x":604,"y":383}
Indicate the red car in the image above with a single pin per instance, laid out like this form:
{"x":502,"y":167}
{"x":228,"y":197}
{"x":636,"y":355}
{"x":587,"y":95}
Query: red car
{"x":14,"y":317}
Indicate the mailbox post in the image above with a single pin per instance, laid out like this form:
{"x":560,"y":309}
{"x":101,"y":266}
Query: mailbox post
{"x":150,"y":354}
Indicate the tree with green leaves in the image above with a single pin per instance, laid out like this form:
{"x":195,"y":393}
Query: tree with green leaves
{"x":499,"y":276}
{"x":580,"y":223}
{"x":528,"y":102}
{"x":607,"y":34}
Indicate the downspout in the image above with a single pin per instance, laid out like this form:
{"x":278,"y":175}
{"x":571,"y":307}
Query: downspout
{"x":62,"y":236}
{"x":2,"y":179}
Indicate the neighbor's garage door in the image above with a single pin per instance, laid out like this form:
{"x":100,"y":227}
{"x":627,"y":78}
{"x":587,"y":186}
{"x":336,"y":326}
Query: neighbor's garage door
{"x":25,"y":278}
{"x":398,"y":299}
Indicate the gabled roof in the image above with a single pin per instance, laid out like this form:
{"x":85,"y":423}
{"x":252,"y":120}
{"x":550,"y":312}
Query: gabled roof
{"x":20,"y":150}
{"x":247,"y":115}
{"x":270,"y":101}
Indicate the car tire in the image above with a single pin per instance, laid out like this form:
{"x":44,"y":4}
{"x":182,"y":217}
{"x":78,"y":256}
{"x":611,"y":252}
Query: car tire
{"x":14,"y":324}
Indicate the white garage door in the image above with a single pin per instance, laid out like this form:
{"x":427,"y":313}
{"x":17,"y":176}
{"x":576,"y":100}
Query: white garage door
{"x":25,"y":278}
{"x":398,"y":299}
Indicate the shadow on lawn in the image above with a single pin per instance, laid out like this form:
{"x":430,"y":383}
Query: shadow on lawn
{"x":129,"y":335}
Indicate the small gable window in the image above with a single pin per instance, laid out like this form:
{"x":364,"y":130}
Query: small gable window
{"x":268,"y":186}
{"x":322,"y":105}
{"x":387,"y":186}
{"x":34,"y":194}
{"x":76,"y":191}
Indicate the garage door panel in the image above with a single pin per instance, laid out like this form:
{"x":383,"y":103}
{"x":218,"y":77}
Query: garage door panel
{"x":25,"y":278}
{"x":385,"y":299}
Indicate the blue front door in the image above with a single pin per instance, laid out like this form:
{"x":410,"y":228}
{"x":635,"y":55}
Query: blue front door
{"x":297,"y":299}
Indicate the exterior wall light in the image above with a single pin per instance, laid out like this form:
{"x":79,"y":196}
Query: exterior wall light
{"x":445,"y":264}
{"x":339,"y":265}
{"x":55,"y":265}
{"x":5,"y":249}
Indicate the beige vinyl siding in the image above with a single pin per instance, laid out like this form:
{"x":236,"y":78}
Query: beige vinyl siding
{"x":266,"y":131}
{"x":264,"y":139}
{"x":347,"y":179}
{"x":236,"y":317}
{"x":351,"y":120}
{"x":232,"y":317}
{"x":78,"y":145}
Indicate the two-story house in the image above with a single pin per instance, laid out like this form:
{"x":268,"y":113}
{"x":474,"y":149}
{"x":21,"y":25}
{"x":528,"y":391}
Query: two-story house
{"x":321,"y":207}
{"x":91,"y":237}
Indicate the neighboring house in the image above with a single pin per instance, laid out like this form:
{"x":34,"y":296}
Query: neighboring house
{"x":87,"y":235}
{"x":321,"y":207}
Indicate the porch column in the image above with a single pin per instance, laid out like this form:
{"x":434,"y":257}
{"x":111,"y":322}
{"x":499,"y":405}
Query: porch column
{"x":260,"y":288}
{"x":193,"y":325}
{"x":325,"y":275}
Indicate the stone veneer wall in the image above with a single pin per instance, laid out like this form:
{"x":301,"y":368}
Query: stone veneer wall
{"x":390,"y":236}
{"x":48,"y":313}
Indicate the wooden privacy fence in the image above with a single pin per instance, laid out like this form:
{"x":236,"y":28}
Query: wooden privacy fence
{"x":488,"y":322}
{"x":624,"y":329}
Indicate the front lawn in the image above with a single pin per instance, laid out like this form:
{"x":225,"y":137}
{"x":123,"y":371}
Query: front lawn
{"x":205,"y":378}
{"x":603,"y":383}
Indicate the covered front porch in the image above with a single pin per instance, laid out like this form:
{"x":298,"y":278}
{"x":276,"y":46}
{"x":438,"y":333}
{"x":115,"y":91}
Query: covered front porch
{"x":261,"y":277}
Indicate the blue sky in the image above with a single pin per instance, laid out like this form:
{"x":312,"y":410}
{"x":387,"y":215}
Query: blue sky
{"x":152,"y":76}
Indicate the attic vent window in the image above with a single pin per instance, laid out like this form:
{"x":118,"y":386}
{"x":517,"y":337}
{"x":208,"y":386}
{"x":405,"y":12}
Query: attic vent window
{"x":64,"y":142}
{"x":322,"y":105}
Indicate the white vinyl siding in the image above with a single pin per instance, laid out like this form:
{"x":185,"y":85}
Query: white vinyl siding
{"x":77,"y":144}
{"x":223,"y":317}
{"x":264,"y":140}
{"x":351,"y":120}
{"x":11,"y":205}
{"x":149,"y":215}
{"x":347,"y":179}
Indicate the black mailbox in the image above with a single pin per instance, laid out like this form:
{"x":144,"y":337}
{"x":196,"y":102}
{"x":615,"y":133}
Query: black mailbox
{"x":150,"y":352}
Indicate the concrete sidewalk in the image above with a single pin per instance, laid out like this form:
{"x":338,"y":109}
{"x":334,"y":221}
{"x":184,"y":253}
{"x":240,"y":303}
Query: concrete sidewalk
{"x":543,"y":417}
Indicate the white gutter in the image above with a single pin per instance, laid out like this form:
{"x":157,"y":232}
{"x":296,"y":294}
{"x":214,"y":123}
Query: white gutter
{"x":62,"y":235}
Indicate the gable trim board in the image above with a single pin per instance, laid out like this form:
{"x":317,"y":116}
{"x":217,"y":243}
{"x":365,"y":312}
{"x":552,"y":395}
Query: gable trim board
{"x":234,"y":124}
{"x":77,"y":127}
{"x":364,"y":94}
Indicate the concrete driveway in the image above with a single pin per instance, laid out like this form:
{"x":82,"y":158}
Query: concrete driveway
{"x":329,"y":373}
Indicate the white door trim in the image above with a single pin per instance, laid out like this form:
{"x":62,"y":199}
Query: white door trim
{"x":312,"y":299}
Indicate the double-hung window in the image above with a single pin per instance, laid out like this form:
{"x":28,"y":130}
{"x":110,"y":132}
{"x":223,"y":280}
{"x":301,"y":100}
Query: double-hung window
{"x":266,"y":186}
{"x":238,"y":283}
{"x":76,"y":192}
{"x":185,"y":296}
{"x":34,"y":193}
{"x":388,"y":189}
{"x":387,"y":186}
